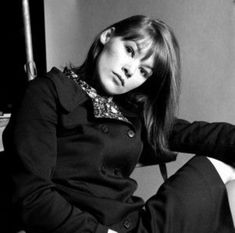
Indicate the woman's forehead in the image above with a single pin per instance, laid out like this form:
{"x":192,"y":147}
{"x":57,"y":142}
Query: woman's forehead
{"x":145,"y":43}
{"x":145,"y":52}
{"x":146,"y":48}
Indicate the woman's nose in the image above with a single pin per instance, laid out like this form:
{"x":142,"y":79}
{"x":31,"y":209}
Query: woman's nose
{"x":129,"y":70}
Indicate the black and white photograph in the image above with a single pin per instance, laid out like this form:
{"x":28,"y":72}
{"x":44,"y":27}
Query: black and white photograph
{"x":117,"y":116}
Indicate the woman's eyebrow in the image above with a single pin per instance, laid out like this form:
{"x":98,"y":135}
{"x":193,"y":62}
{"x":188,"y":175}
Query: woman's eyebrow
{"x":138,"y":48}
{"x":143,"y":48}
{"x":148,"y":66}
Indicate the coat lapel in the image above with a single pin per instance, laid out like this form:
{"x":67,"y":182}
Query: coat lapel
{"x":69,"y":93}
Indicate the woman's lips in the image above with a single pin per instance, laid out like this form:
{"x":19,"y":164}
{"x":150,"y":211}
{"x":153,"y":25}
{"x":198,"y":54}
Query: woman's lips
{"x":120,"y":78}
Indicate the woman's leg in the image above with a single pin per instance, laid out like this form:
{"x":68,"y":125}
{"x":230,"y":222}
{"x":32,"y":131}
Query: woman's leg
{"x":230,"y":186}
{"x":227,"y":174}
{"x":193,"y":200}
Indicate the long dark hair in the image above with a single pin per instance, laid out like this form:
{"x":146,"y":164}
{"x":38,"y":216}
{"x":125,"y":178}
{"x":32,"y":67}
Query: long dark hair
{"x":158,"y":96}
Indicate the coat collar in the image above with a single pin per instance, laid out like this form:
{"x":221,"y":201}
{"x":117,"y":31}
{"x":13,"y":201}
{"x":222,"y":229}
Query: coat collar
{"x":103,"y":106}
{"x":70,"y":95}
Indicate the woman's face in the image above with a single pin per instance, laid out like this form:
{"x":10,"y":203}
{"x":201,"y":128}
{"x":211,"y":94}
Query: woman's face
{"x":120,"y":66}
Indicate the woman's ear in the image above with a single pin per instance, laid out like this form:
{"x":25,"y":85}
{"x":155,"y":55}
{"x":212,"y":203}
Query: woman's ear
{"x":106,"y":35}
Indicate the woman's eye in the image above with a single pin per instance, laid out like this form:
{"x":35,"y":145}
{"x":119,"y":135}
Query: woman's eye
{"x":143,"y":72}
{"x":130,"y":50}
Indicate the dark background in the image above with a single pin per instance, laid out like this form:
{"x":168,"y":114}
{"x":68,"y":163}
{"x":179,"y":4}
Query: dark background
{"x":13,"y":79}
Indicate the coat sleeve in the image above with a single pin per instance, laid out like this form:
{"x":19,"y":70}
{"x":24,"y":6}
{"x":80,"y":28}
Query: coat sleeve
{"x":210,"y":139}
{"x":30,"y":141}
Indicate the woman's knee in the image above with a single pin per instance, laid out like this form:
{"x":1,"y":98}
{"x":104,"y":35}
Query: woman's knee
{"x":225,"y":171}
{"x":190,"y":185}
{"x":230,"y":186}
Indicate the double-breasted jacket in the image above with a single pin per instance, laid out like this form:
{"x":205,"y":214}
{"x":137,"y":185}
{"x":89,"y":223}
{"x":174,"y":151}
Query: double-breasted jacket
{"x":71,"y":170}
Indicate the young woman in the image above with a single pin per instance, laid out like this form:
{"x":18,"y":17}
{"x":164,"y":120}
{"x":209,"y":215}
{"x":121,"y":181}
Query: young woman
{"x":78,"y":135}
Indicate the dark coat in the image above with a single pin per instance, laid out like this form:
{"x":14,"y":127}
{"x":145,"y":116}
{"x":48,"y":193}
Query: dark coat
{"x":72,"y":171}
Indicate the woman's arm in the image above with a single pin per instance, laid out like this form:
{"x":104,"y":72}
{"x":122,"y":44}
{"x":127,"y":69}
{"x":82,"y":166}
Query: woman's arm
{"x":215,"y":140}
{"x":30,"y":140}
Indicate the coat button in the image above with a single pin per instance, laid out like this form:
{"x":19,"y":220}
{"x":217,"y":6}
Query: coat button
{"x":103,"y":170}
{"x":105,"y":128}
{"x":117,"y":172}
{"x":127,"y":224}
{"x":131,"y":133}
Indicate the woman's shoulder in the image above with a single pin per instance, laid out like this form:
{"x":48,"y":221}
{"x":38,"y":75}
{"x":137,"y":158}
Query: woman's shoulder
{"x":67,"y":91}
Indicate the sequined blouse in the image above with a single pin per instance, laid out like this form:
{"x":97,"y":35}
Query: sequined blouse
{"x":104,"y":106}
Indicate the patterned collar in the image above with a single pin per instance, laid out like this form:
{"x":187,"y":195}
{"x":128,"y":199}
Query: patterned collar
{"x":104,"y":107}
